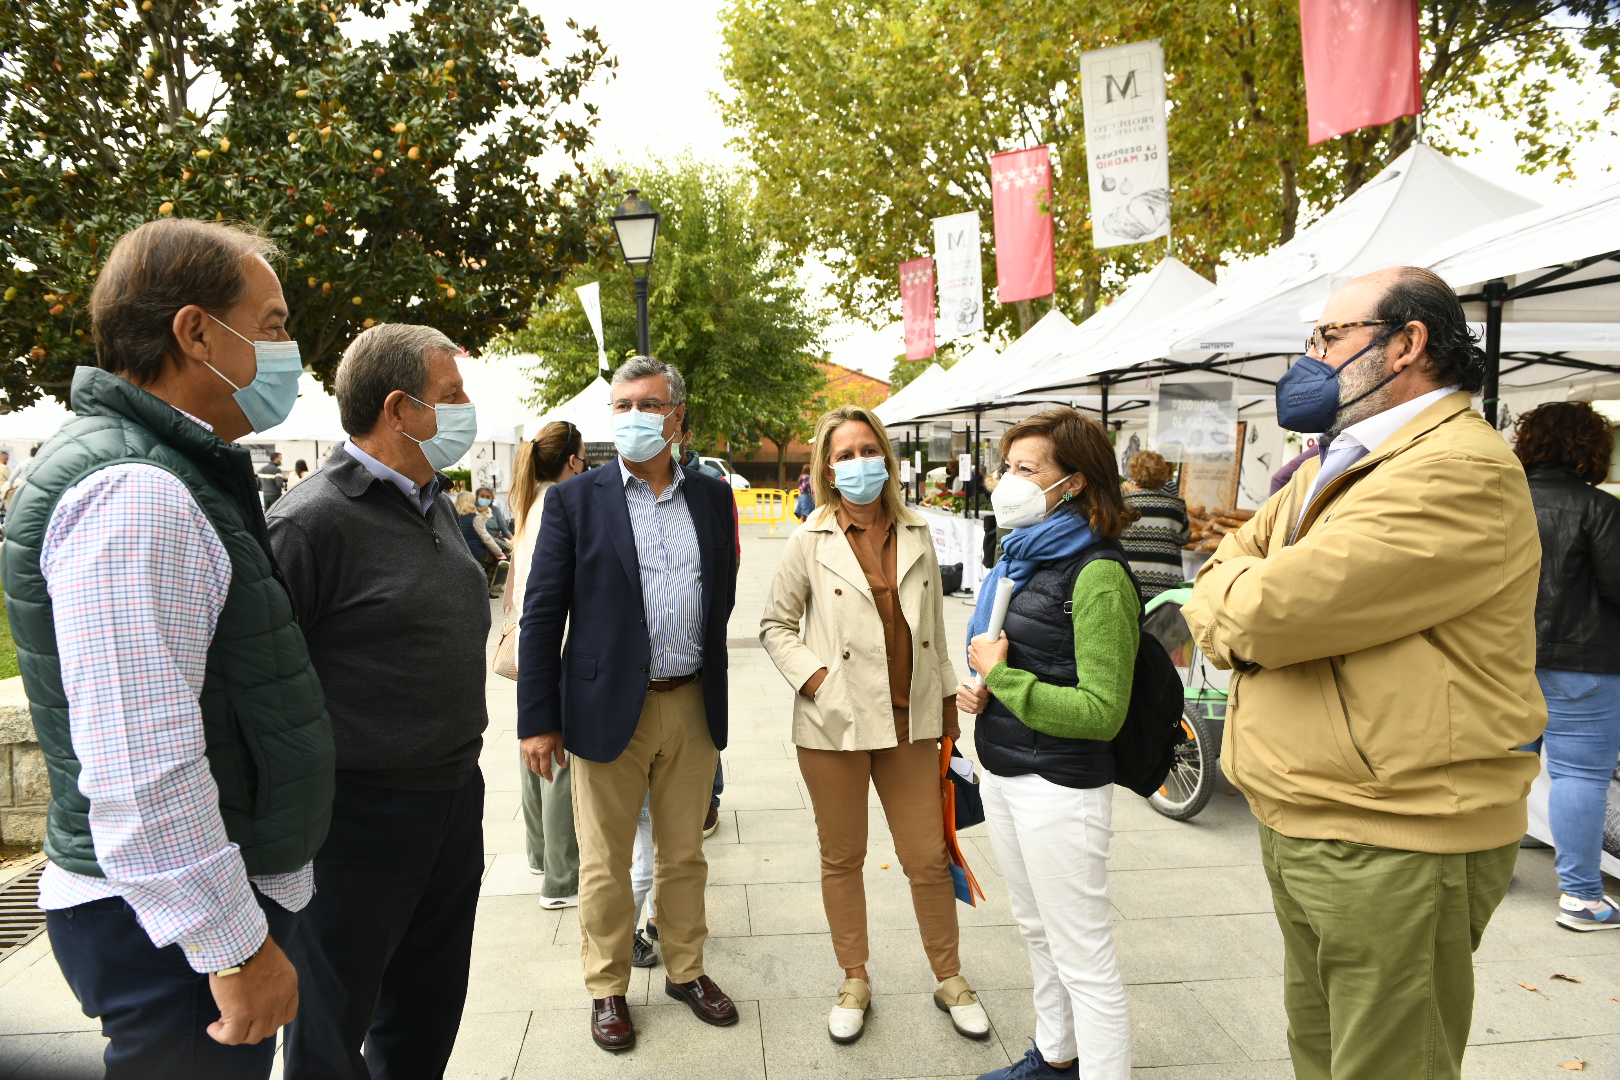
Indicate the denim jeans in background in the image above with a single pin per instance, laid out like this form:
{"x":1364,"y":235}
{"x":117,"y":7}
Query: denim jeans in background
{"x":1583,"y":743}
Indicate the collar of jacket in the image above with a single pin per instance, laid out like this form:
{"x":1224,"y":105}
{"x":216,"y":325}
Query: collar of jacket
{"x":911,"y":538}
{"x":100,"y":393}
{"x":353,"y":478}
{"x":1443,"y":411}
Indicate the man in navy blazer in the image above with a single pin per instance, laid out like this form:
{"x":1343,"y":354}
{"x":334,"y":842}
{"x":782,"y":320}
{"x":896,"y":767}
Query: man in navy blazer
{"x":637,"y":559}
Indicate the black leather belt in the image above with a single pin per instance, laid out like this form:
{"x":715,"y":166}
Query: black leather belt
{"x":664,"y":686}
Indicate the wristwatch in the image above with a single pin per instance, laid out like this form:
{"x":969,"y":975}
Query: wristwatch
{"x":235,"y":968}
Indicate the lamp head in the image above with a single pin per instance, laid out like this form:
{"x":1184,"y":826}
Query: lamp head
{"x":636,"y":225}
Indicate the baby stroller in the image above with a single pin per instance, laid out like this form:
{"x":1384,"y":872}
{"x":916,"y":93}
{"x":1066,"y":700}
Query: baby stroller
{"x":1196,"y":770}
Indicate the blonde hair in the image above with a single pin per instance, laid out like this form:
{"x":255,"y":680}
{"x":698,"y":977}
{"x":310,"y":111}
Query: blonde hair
{"x":542,"y":458}
{"x":466,"y":503}
{"x":821,"y":460}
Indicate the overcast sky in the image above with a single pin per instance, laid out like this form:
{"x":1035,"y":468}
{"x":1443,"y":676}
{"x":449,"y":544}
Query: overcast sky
{"x":660,"y":103}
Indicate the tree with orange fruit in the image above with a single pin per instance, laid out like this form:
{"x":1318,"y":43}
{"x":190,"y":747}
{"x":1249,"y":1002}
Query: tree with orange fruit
{"x":399,"y":173}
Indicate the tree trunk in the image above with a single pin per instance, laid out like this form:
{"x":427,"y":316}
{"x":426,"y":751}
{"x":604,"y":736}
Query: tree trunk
{"x":1026,"y":315}
{"x":1289,"y":168}
{"x":781,"y":466}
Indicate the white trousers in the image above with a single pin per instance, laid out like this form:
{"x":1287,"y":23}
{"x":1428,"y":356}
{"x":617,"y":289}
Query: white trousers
{"x":1052,"y":844}
{"x":641,"y":863}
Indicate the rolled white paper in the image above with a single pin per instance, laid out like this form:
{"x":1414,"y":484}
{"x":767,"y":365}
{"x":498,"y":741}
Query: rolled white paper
{"x":998,"y":615}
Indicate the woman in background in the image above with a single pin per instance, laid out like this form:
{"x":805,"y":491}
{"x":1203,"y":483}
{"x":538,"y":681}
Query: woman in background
{"x":556,"y":453}
{"x":300,"y":470}
{"x":484,"y":547}
{"x":1565,"y":447}
{"x":1153,"y":541}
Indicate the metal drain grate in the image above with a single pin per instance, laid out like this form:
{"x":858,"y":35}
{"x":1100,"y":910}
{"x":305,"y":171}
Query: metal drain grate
{"x":21,"y":921}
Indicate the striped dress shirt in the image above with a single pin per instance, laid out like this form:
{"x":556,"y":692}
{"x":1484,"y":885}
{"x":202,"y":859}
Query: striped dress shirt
{"x":137,"y":578}
{"x":671,"y":574}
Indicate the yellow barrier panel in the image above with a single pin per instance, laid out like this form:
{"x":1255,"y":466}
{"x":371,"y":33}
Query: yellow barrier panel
{"x":763,"y":506}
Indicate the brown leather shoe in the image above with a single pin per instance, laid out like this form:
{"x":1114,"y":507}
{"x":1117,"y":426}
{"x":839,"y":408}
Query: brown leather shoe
{"x":610,"y":1023}
{"x":707,"y":1001}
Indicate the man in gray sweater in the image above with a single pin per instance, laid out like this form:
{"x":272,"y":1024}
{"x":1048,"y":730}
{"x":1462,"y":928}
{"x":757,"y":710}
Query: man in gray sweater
{"x":395,"y":612}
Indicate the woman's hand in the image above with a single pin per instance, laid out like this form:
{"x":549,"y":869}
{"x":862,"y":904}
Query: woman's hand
{"x":813,"y":683}
{"x":950,"y":727}
{"x":985,"y":654}
{"x":972,"y":699}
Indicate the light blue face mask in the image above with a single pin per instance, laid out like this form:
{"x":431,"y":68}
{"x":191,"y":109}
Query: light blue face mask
{"x":270,"y":397}
{"x":458,"y":429}
{"x":860,"y":480}
{"x":484,"y":502}
{"x":638,"y":435}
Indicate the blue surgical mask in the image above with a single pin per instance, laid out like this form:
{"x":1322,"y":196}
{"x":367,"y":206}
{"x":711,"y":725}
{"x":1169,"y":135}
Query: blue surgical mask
{"x":270,"y":397}
{"x":638,"y":435}
{"x":483,"y":502}
{"x":458,"y":428}
{"x":860,"y":480}
{"x":1308,"y":392}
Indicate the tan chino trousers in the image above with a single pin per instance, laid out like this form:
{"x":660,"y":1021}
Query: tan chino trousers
{"x":673,"y":757}
{"x":907,"y":781}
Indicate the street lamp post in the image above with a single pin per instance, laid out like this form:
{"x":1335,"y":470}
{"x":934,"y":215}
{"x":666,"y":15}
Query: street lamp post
{"x":635,"y":224}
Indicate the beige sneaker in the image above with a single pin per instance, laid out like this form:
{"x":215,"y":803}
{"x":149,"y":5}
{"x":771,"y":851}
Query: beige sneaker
{"x":956,"y":997}
{"x":848,"y":1017}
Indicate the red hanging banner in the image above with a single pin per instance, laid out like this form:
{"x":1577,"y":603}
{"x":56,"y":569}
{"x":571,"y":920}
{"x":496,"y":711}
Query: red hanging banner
{"x":917,"y":306}
{"x":1020,"y":191}
{"x":1363,"y":63}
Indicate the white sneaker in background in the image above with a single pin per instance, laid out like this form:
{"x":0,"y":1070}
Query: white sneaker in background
{"x":554,"y":903}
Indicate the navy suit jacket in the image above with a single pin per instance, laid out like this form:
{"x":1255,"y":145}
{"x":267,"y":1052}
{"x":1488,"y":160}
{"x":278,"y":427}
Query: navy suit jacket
{"x":586,"y":576}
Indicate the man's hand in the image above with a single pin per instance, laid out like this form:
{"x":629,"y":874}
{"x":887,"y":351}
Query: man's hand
{"x":541,"y":752}
{"x":258,"y":1000}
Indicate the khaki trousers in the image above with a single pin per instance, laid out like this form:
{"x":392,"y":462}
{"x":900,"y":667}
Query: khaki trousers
{"x":907,"y":781}
{"x":1378,"y":953}
{"x":673,"y":757}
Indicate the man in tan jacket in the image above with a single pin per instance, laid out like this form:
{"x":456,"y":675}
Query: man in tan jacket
{"x":1378,"y":613}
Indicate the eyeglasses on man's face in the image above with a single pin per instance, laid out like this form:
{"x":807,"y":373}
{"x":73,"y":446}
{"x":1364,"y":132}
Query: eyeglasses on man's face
{"x":650,"y":406}
{"x":1317,"y":345}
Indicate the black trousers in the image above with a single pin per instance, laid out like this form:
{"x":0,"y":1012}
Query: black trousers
{"x":153,"y":1008}
{"x":384,"y":949}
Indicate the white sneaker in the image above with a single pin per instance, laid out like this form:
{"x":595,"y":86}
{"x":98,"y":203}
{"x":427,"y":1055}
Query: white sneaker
{"x":555,"y":903}
{"x":956,"y":997}
{"x":847,"y":1020}
{"x":537,"y":873}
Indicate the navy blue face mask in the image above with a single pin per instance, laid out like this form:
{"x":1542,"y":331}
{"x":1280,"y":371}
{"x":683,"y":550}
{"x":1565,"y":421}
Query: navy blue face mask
{"x":1308,"y":393}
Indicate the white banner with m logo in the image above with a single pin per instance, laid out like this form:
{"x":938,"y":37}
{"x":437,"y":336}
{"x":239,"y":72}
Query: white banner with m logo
{"x":1127,"y":154}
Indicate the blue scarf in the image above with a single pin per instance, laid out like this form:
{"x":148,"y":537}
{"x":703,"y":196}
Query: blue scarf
{"x":1062,"y":536}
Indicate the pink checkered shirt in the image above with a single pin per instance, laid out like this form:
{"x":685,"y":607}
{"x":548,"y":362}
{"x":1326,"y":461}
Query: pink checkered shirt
{"x":137,"y":577}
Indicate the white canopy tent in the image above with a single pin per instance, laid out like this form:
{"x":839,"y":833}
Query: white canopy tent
{"x":22,"y":429}
{"x":892,"y":410}
{"x":1251,"y":326}
{"x":1546,"y":288}
{"x":965,"y":385}
{"x":587,"y":410}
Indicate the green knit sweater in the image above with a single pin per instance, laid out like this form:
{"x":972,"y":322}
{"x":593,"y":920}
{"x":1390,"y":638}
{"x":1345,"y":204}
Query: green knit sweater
{"x":1105,"y":637}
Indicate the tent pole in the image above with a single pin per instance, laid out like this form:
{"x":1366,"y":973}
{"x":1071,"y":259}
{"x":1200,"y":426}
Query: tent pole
{"x":976,"y":415}
{"x":1495,"y":292}
{"x":1103,"y":380}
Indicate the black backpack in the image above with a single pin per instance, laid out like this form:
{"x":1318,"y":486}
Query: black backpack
{"x":1146,"y":745}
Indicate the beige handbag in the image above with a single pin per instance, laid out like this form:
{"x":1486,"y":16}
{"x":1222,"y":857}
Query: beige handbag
{"x":505,"y":663}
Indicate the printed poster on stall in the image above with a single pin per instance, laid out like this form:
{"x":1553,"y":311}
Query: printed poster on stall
{"x":961,"y":276}
{"x":1127,"y":151}
{"x":1195,"y":422}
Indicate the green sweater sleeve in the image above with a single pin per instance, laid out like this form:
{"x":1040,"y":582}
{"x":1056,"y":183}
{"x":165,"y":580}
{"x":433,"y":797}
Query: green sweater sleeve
{"x":1105,"y":638}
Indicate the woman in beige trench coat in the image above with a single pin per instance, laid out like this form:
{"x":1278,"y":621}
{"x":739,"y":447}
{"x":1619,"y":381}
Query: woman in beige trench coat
{"x":855,"y":622}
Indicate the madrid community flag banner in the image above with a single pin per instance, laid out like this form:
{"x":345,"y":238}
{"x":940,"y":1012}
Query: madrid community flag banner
{"x":1020,"y":204}
{"x":917,"y":306}
{"x":1363,"y":64}
{"x":961,"y":280}
{"x":1127,"y":148}
{"x":590,"y":298}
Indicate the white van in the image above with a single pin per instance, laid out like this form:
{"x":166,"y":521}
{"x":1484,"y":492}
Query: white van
{"x":737,"y":480}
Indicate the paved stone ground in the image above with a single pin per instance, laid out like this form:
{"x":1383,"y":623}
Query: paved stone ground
{"x":1197,"y":941}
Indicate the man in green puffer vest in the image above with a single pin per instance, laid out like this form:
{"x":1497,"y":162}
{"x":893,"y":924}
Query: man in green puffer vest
{"x":184,"y":729}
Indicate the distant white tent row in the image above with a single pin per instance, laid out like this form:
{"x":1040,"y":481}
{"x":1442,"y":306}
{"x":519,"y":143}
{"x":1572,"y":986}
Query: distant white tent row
{"x":1558,"y":320}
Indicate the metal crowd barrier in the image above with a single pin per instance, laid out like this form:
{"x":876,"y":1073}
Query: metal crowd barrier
{"x":764,"y":506}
